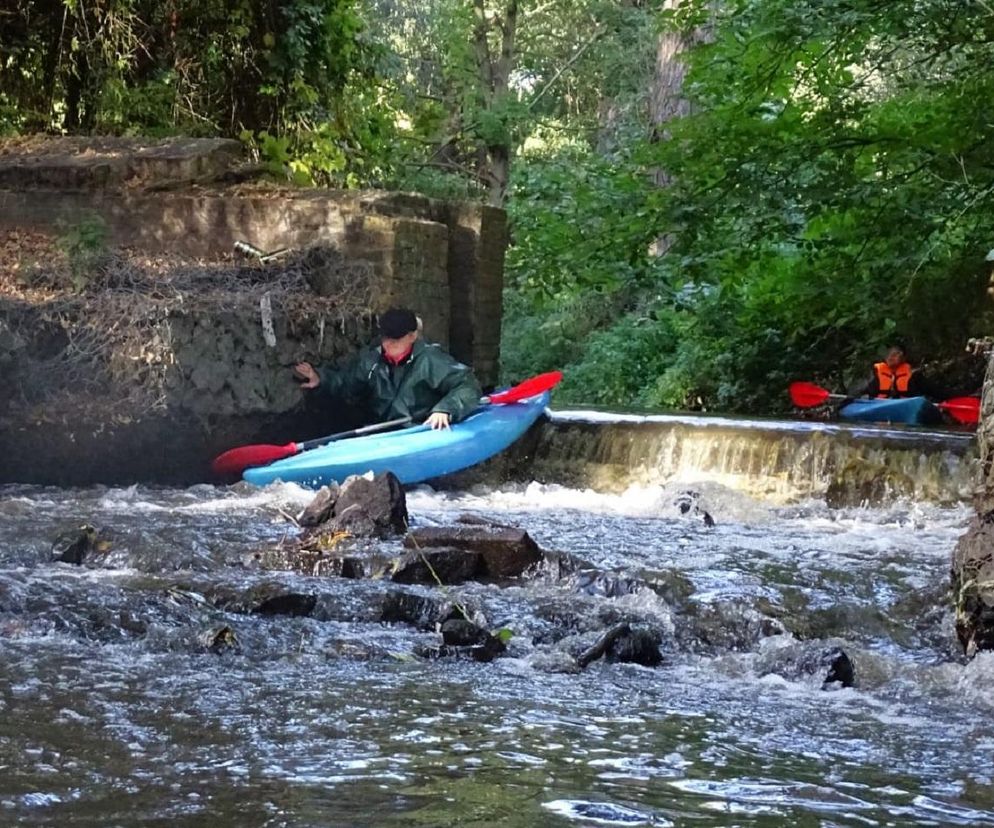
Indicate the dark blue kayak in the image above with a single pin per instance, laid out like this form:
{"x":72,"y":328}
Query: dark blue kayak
{"x":909,"y":410}
{"x":413,"y":454}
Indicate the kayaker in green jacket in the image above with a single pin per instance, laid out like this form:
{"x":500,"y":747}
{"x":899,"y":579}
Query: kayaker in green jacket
{"x":403,"y":377}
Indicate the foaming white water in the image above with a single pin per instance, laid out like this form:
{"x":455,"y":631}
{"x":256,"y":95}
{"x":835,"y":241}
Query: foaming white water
{"x":642,"y":501}
{"x":204,"y":499}
{"x":674,"y":500}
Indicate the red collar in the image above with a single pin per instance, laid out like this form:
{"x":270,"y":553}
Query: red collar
{"x":402,"y":358}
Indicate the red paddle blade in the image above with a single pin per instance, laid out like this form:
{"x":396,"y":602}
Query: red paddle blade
{"x":964,"y":410}
{"x":234,"y":461}
{"x":807,"y":394}
{"x":528,"y":388}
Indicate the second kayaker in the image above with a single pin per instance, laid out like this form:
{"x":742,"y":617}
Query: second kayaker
{"x":402,"y":377}
{"x":893,"y":378}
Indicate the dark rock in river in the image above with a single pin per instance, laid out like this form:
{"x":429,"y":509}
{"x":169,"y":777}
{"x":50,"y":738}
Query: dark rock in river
{"x":381,"y":498}
{"x":837,"y":665}
{"x":291,"y":603}
{"x":362,"y":506}
{"x":438,"y":566}
{"x":624,"y":643}
{"x":600,"y":647}
{"x":463,"y":639}
{"x":74,"y":546}
{"x":321,"y":507}
{"x":830,"y":665}
{"x":269,"y":598}
{"x":458,"y":632}
{"x":505,"y":552}
{"x":418,"y":610}
{"x":640,"y":645}
{"x":355,"y":520}
{"x":489,"y":650}
{"x":727,"y":626}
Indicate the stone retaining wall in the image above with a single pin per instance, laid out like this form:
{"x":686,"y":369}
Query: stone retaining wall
{"x":444,"y":259}
{"x":226,"y":383}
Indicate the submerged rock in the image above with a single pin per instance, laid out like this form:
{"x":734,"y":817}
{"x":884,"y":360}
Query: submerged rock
{"x":829,"y":665}
{"x":423,"y":611}
{"x":438,"y":566}
{"x":74,"y":546}
{"x":504,"y":551}
{"x":624,"y":643}
{"x":728,"y":626}
{"x":861,"y":482}
{"x":218,"y":639}
{"x":607,"y":584}
{"x":292,"y":603}
{"x":688,"y":502}
{"x":671,"y":587}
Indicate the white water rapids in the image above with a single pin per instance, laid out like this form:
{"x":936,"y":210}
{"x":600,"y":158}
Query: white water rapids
{"x":111,"y":715}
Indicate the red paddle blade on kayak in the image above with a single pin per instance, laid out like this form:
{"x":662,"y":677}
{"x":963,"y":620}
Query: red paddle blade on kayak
{"x":528,"y":388}
{"x":964,"y":410}
{"x":808,"y":395}
{"x":234,"y":461}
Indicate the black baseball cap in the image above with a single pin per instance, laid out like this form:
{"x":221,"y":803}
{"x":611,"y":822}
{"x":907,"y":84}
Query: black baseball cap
{"x":397,"y":322}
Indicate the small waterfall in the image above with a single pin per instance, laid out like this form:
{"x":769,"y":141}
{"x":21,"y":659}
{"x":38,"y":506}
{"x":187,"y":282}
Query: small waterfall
{"x":776,"y":460}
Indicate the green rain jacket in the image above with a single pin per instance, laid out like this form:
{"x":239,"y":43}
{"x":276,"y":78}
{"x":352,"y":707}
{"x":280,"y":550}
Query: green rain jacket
{"x":429,"y":380}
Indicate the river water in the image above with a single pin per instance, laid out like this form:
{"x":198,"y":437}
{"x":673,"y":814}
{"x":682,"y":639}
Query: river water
{"x":113,"y":711}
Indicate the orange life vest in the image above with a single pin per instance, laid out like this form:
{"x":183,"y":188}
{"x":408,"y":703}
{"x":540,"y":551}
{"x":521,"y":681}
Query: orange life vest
{"x":892,"y":383}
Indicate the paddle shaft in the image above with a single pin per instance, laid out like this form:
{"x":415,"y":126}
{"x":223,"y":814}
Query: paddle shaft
{"x":355,"y":432}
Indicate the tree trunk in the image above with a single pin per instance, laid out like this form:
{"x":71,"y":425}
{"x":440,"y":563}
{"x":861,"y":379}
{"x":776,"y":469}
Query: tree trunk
{"x":56,"y":16}
{"x":495,"y":75}
{"x":667,"y":101}
{"x":499,"y":174}
{"x":76,"y":83}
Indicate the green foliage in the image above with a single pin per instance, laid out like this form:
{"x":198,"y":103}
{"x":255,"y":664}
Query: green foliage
{"x":503,"y":635}
{"x":297,"y":77}
{"x":832,"y":187}
{"x":480,"y":81}
{"x":85,"y":246}
{"x":581,"y":222}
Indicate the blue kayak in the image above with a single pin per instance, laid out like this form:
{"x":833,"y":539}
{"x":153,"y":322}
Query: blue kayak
{"x":413,"y":454}
{"x":909,"y":410}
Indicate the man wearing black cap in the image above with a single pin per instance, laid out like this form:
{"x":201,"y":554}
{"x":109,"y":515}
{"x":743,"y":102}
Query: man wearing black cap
{"x":403,"y":377}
